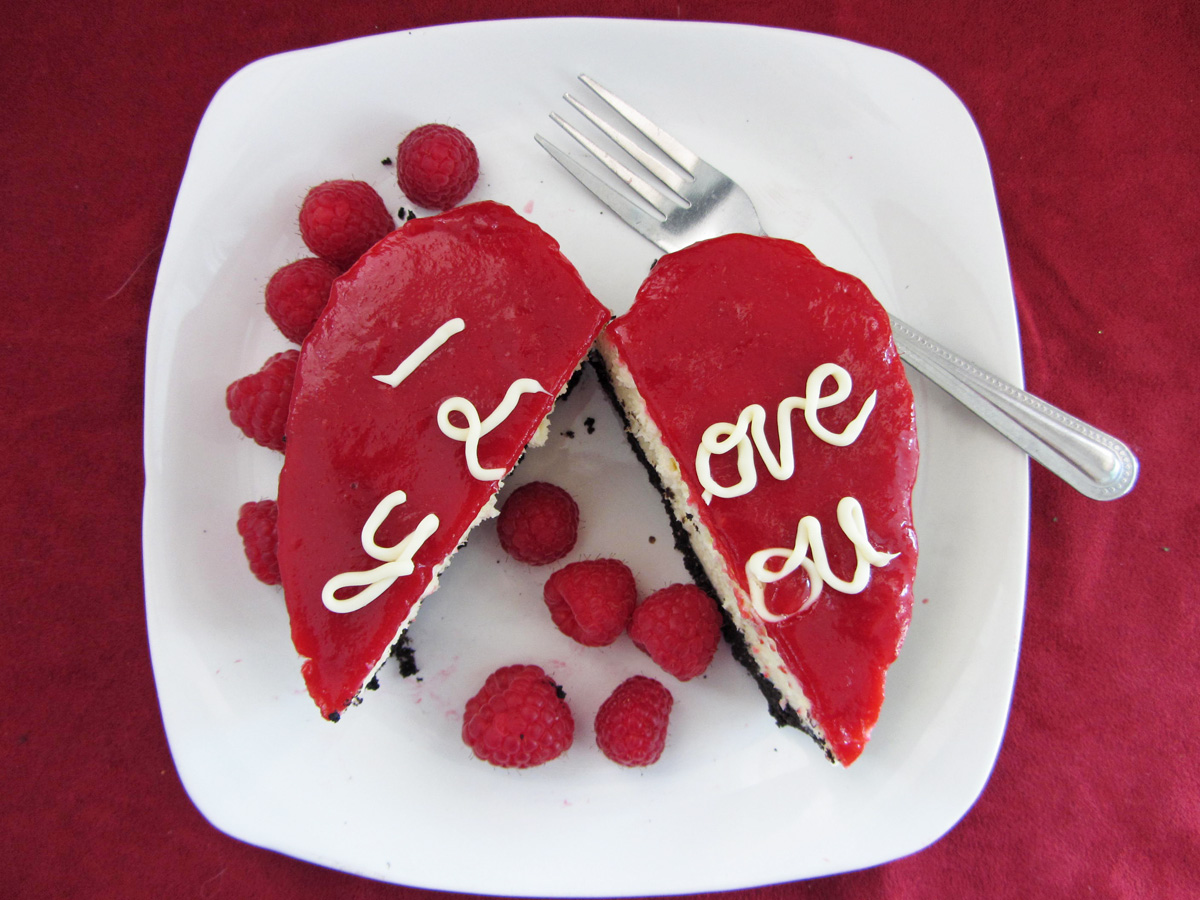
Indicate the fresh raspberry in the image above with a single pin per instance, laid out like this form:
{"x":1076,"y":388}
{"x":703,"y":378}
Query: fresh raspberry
{"x":631,"y":725}
{"x":518,"y":719}
{"x":297,"y":294}
{"x":591,"y":601}
{"x":341,"y":220}
{"x":258,"y":403}
{"x":256,"y":525}
{"x":679,"y":626}
{"x":538,"y":523}
{"x":436,"y":166}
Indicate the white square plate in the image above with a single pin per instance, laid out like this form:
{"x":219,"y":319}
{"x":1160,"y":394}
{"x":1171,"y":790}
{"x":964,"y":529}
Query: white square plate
{"x":860,"y":154}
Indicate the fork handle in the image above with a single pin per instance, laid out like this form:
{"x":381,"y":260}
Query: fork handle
{"x":1094,"y":463}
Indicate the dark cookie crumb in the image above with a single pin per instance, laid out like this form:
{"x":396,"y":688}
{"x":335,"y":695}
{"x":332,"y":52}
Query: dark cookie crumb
{"x":405,"y":656}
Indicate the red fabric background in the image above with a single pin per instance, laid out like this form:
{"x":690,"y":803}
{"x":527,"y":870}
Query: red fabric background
{"x":1089,"y":114}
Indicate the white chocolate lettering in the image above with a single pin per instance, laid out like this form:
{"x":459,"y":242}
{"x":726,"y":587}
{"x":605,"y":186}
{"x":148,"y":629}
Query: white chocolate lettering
{"x":749,"y":433}
{"x":476,"y":429}
{"x":422,"y":353}
{"x":397,"y":560}
{"x":809,"y":541}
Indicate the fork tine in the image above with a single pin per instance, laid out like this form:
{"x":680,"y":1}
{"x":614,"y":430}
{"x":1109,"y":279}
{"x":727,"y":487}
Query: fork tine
{"x":681,"y":206}
{"x":652,"y":164}
{"x":633,"y":215}
{"x":648,"y":192}
{"x":669,"y":145}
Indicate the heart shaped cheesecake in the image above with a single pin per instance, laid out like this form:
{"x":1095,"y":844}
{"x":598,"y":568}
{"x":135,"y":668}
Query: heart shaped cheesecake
{"x":433,"y":367}
{"x":766,"y":396}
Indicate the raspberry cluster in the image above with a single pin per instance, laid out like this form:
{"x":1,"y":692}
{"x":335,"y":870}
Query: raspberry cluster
{"x":595,"y":601}
{"x":339,"y":220}
{"x":519,"y":717}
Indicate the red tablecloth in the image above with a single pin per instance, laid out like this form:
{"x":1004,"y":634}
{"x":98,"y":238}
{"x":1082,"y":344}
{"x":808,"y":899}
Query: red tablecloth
{"x":1088,"y":111}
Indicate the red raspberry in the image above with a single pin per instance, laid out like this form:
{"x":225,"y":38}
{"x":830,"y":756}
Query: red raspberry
{"x":341,"y":220}
{"x":679,"y":626}
{"x":591,"y":601}
{"x":518,"y":719}
{"x":297,"y":294}
{"x":436,"y":166}
{"x":258,"y":403}
{"x":631,"y":726}
{"x":538,"y":523}
{"x":256,"y":525}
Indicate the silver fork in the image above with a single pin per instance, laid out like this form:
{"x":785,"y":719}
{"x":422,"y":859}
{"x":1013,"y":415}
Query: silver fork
{"x":700,"y":202}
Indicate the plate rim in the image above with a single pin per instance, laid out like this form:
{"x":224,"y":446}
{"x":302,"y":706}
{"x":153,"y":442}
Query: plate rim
{"x":154,"y":391}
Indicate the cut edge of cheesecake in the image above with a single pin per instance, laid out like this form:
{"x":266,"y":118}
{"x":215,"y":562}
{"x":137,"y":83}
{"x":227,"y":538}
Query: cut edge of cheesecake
{"x":751,"y":647}
{"x":337,"y":681}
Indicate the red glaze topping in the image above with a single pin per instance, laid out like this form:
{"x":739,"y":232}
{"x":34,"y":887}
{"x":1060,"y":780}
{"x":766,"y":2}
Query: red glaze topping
{"x":352,"y":440}
{"x":743,"y":320}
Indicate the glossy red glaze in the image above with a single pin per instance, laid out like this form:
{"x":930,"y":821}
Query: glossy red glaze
{"x":740,"y":320}
{"x":351,"y":439}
